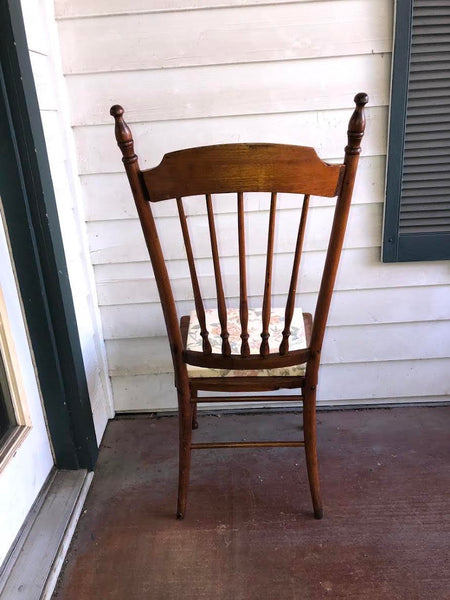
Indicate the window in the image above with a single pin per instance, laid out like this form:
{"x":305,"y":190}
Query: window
{"x":7,"y":416}
{"x":15,"y":423}
{"x":417,"y":214}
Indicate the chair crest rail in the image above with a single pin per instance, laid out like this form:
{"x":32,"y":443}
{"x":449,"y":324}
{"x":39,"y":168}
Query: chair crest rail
{"x":226,"y":168}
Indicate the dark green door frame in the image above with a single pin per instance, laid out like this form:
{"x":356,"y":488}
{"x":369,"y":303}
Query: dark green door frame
{"x":27,"y":195}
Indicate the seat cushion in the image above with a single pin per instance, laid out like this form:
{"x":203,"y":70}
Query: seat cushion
{"x":297,"y":340}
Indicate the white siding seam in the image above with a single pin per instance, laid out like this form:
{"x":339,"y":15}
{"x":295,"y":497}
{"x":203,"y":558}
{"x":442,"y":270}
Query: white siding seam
{"x":169,"y":369}
{"x":267,"y":113}
{"x":129,"y":218}
{"x":330,"y":326}
{"x":152,"y":281}
{"x":234,"y":300}
{"x":263,"y":61}
{"x":327,"y":159}
{"x":375,"y":323}
{"x":182,"y":261}
{"x":333,"y":160}
{"x":39,"y":53}
{"x":150,"y":11}
{"x":217,"y":65}
{"x":118,"y":173}
{"x":163,"y":220}
{"x":111,"y":261}
{"x":339,"y":404}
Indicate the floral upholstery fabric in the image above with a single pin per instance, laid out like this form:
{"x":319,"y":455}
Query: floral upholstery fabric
{"x":297,"y":340}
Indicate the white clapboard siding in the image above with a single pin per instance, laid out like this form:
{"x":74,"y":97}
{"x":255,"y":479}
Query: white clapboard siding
{"x":142,"y":393}
{"x":199,"y":72}
{"x":226,"y":90}
{"x":101,"y":204}
{"x":351,"y":383}
{"x":324,"y":130}
{"x":139,"y":356}
{"x":113,"y":241}
{"x":395,"y":379}
{"x":131,"y":291}
{"x":359,"y":269}
{"x":68,"y":9}
{"x":226,"y":36}
{"x":386,"y":342}
{"x":140,"y":291}
{"x":348,"y":309}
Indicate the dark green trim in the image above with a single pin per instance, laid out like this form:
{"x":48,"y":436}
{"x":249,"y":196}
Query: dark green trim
{"x":399,"y":98}
{"x":412,"y":246}
{"x":32,"y":221}
{"x":424,"y":246}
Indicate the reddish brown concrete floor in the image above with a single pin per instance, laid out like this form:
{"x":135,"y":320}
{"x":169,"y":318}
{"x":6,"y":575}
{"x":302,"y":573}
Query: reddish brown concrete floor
{"x":249,"y":531}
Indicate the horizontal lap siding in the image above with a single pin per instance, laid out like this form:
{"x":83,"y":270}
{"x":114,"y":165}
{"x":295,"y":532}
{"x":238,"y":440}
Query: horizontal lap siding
{"x":101,"y":205}
{"x":141,"y":356}
{"x":120,"y":241}
{"x":225,"y":36}
{"x":342,"y":384}
{"x":198,"y":72}
{"x":227,"y":90}
{"x":154,"y":139}
{"x":66,"y":9}
{"x":350,"y":308}
{"x":125,"y":283}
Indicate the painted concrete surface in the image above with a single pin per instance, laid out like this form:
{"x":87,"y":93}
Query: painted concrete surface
{"x":249,"y":532}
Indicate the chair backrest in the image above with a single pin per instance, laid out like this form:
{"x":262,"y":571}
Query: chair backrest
{"x":241,"y":168}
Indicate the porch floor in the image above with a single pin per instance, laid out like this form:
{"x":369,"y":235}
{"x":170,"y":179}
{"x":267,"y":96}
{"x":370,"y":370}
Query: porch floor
{"x":249,"y":532}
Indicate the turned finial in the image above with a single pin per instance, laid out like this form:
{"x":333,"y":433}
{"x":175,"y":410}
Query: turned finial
{"x":123,"y":135}
{"x":357,"y":124}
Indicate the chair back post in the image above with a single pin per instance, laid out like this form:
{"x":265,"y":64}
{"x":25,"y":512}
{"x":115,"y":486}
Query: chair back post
{"x":130,"y":160}
{"x":355,"y":134}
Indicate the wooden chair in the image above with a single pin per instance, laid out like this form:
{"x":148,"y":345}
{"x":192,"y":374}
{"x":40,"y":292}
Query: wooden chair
{"x":294,"y":364}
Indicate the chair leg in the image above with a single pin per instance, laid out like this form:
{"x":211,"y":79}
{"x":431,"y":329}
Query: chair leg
{"x":185,"y":436}
{"x":310,"y":435}
{"x":194,"y":411}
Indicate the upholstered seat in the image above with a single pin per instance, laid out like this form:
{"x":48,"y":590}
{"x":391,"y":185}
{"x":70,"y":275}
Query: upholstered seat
{"x":297,"y":340}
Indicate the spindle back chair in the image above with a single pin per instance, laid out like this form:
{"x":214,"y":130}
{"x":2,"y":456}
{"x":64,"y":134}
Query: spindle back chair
{"x":241,"y":168}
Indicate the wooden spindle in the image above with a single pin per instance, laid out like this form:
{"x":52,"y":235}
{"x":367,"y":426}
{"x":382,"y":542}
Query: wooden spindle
{"x":266,"y":308}
{"x":206,"y":346}
{"x":221,"y":305}
{"x":243,"y":303}
{"x":290,"y":304}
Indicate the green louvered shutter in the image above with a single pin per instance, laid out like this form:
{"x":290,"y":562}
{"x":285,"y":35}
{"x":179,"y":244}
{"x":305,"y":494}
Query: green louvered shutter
{"x":417,"y":216}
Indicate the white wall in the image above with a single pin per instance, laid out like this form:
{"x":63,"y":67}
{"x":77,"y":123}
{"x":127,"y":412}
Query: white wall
{"x":195,"y":72}
{"x":43,"y":45}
